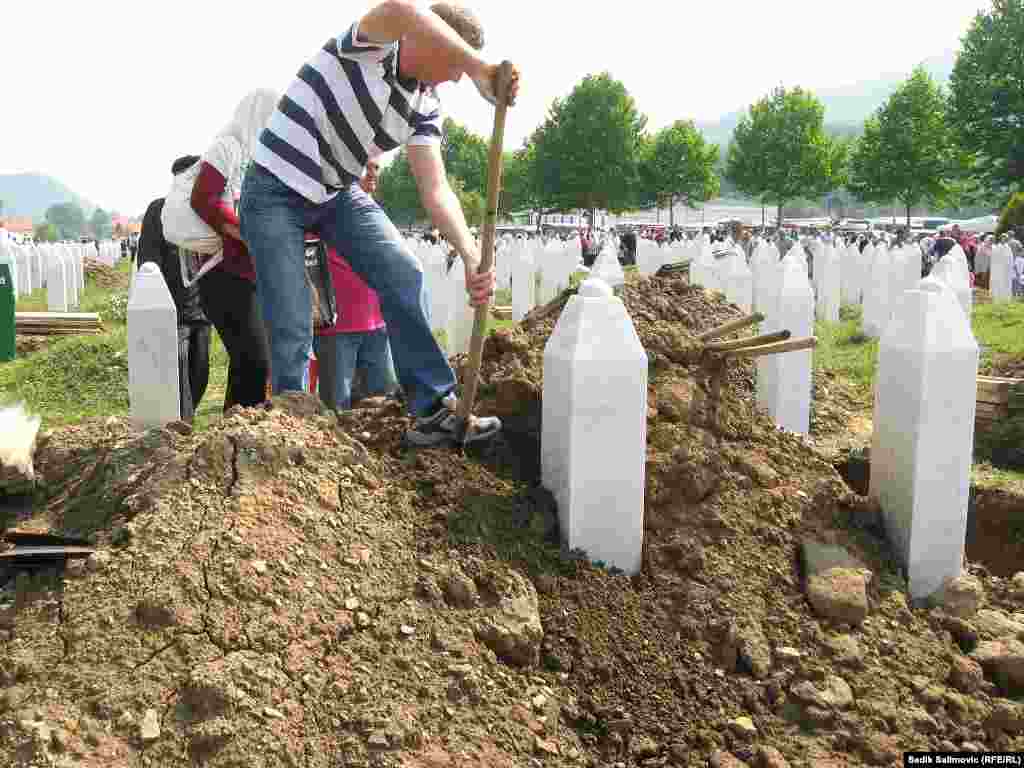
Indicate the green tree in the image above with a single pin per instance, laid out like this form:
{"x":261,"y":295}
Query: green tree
{"x":397,"y":192}
{"x":1013,"y":215}
{"x":907,"y":151}
{"x":68,"y":218}
{"x":587,"y":149}
{"x":521,"y":187}
{"x":780,"y":151}
{"x":465,"y":156}
{"x":45,"y":233}
{"x":987,"y":94}
{"x":678,"y":165}
{"x":472,"y":202}
{"x":101,"y":224}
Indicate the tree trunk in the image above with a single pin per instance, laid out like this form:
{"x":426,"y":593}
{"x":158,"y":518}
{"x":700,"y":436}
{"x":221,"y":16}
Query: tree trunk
{"x":671,"y":211}
{"x":908,"y":217}
{"x":778,"y":224}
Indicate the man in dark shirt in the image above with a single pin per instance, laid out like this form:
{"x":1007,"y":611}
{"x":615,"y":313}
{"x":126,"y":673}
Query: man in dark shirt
{"x":193,"y":326}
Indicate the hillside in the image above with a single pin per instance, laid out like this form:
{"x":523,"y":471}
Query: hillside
{"x":847,"y":106}
{"x":30,"y":194}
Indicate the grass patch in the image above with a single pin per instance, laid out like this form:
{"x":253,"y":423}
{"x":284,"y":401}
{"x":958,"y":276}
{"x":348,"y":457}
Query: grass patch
{"x":522,"y":530}
{"x":72,"y":379}
{"x":844,"y":350}
{"x":997,"y":327}
{"x":211,"y":408}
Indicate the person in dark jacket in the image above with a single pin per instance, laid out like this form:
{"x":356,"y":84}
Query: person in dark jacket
{"x":193,"y":325}
{"x":627,"y":248}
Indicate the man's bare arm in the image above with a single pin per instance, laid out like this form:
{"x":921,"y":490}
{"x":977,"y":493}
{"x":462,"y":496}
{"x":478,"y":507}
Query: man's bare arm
{"x":444,"y":209}
{"x":393,"y":19}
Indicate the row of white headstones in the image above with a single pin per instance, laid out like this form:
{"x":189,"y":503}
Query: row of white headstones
{"x":593,"y":445}
{"x":57,"y":267}
{"x":595,"y":393}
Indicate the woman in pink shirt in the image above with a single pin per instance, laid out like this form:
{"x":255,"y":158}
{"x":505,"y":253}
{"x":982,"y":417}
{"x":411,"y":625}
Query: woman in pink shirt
{"x":359,"y":339}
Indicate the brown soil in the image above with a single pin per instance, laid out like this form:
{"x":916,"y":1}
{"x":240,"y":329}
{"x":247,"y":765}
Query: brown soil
{"x":995,"y":531}
{"x":1003,"y":365}
{"x":291,"y":588}
{"x":27,"y":345}
{"x":106,"y":277}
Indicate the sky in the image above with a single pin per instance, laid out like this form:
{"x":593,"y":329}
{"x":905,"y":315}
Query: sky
{"x":104,"y":95}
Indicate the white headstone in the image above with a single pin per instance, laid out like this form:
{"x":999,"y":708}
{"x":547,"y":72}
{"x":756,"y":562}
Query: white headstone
{"x":826,"y":273}
{"x":152,"y":351}
{"x":739,"y":282}
{"x":80,"y":269}
{"x":56,"y":281}
{"x":524,"y":282}
{"x":925,"y":396}
{"x":849,"y":274}
{"x":70,"y":279}
{"x":949,"y":270}
{"x":764,"y":261}
{"x":768,"y":305}
{"x":1001,"y":273}
{"x":792,"y":396}
{"x":876,"y":294}
{"x":442,"y":302}
{"x":607,"y":267}
{"x":463,"y":315}
{"x":593,"y":443}
{"x":21,"y":258}
{"x":38,"y":267}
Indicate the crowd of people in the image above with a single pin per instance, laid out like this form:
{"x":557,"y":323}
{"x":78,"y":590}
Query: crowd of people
{"x":303,"y":164}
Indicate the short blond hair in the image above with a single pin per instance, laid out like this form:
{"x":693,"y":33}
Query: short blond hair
{"x":463,"y":21}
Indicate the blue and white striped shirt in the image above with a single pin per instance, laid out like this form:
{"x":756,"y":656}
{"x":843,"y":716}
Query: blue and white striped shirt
{"x":346,"y":105}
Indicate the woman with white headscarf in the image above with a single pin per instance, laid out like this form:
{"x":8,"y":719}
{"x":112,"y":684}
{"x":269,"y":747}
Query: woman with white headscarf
{"x":228,"y":291}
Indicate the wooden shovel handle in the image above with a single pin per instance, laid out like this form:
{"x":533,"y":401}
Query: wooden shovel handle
{"x":494,"y":169}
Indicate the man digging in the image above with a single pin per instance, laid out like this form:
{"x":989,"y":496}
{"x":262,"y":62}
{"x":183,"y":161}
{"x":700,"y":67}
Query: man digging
{"x":368,"y":91}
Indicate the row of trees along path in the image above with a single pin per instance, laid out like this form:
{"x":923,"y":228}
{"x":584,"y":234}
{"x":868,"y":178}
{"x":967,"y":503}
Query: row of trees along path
{"x":923,"y":146}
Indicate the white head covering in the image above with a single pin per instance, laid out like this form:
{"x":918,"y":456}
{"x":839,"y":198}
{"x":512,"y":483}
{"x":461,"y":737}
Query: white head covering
{"x":251,"y":116}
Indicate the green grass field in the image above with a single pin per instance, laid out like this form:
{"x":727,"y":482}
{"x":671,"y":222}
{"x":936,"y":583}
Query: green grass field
{"x":81,"y":377}
{"x":843,"y":349}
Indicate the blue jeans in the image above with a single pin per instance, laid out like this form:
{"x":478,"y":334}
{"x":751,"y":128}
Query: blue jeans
{"x":340,"y":354}
{"x":274,"y":219}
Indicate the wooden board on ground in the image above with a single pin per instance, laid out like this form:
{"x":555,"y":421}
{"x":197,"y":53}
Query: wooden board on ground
{"x":57,"y":323}
{"x":998,"y":399}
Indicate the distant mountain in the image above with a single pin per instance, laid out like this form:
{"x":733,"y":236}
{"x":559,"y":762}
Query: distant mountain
{"x":847,"y":106}
{"x":30,"y":194}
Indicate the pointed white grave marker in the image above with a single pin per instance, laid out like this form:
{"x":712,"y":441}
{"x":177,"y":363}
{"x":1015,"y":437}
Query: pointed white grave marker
{"x":739,"y":281}
{"x":152,"y":351}
{"x":524,"y":281}
{"x":826,"y":272}
{"x":608,"y":269}
{"x":56,"y":281}
{"x":792,"y":396}
{"x":594,"y":434}
{"x":925,"y":396}
{"x":1001,"y":273}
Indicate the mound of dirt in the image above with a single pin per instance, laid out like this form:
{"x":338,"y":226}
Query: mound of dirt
{"x":1001,"y":364}
{"x":104,"y":276}
{"x":292,"y":588}
{"x":27,"y":345}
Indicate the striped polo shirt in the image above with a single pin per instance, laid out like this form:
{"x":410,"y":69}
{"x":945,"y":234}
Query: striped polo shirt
{"x":345,"y":106}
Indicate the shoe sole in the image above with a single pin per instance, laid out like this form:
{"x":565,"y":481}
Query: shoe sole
{"x":444,"y":439}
